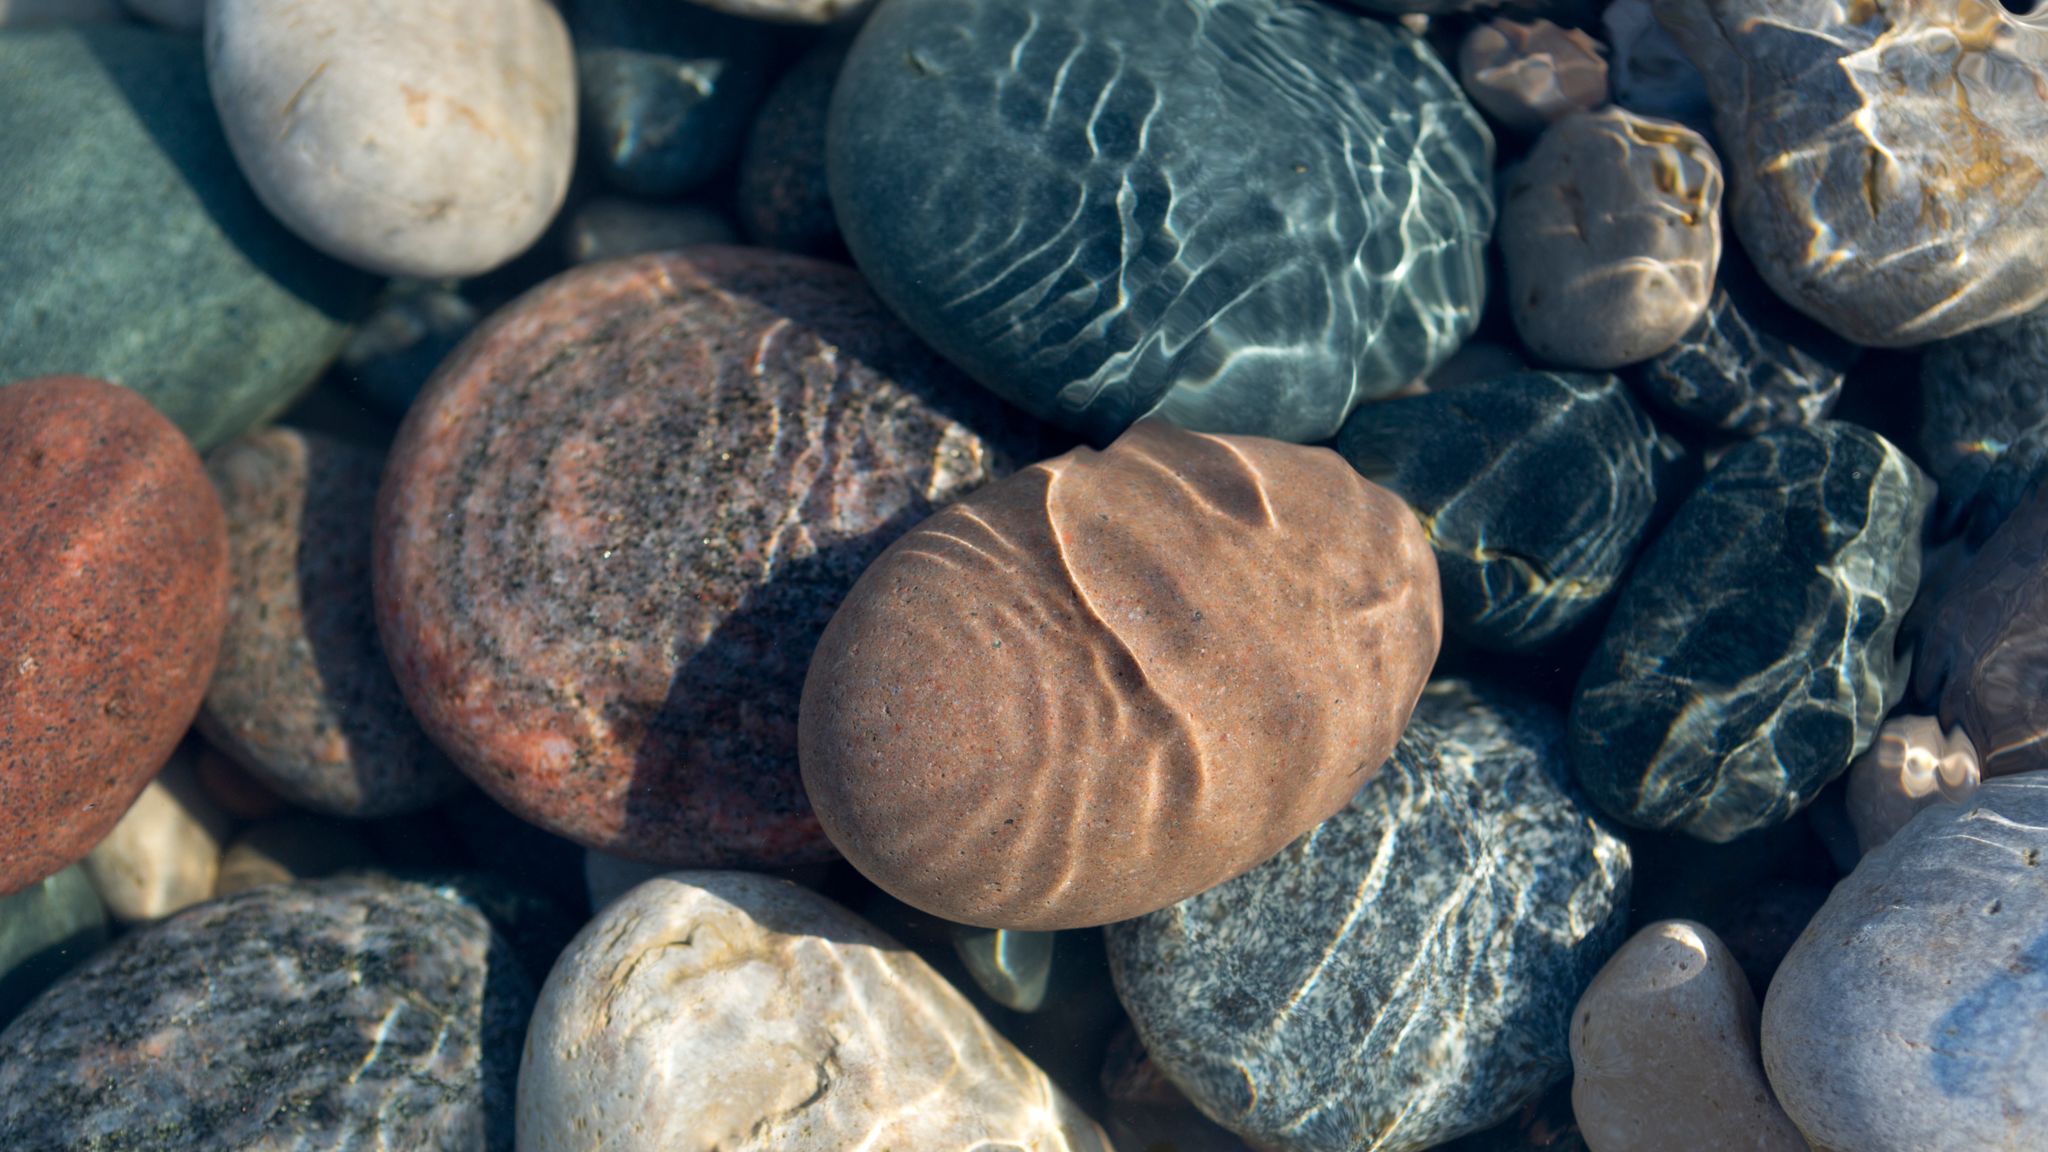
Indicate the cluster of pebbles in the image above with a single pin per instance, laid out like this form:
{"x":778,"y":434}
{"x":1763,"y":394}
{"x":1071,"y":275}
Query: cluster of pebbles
{"x":1299,"y":575}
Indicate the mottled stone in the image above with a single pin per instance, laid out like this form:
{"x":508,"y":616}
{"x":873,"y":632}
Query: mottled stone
{"x":1527,"y":74}
{"x":1749,"y":363}
{"x":1535,"y":490}
{"x":611,"y":227}
{"x":287,"y":849}
{"x":164,"y":855}
{"x":134,"y":250}
{"x":710,"y":1010}
{"x":115,"y":592}
{"x":1908,"y":1015}
{"x":1404,"y":973}
{"x":303,"y":696}
{"x":665,"y":90}
{"x":1912,"y":765}
{"x":1749,"y":656}
{"x":1887,"y":155}
{"x":46,"y":929}
{"x":1984,"y":420}
{"x":33,"y":13}
{"x":335,"y":1015}
{"x":407,"y":137}
{"x":1647,"y":71}
{"x":1664,"y":1051}
{"x":783,"y":197}
{"x":1610,"y":236}
{"x":614,"y":526}
{"x":1241,"y":215}
{"x":1065,"y":700}
{"x":413,"y":326}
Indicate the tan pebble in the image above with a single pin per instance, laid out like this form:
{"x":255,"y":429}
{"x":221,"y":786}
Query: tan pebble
{"x":1912,"y":765}
{"x":164,"y":855}
{"x":1526,"y":75}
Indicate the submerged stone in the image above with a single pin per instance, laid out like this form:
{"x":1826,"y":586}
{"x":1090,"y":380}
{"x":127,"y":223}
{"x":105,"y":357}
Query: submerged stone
{"x":46,"y":929}
{"x":1984,"y":420}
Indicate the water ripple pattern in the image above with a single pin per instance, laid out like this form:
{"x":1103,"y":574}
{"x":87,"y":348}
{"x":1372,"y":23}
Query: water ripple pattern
{"x":1405,"y":972}
{"x":1749,"y":658}
{"x":1242,"y":215}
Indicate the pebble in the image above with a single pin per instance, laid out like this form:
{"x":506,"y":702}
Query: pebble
{"x":46,"y":929}
{"x":783,"y":198}
{"x":612,"y":227}
{"x":1889,"y":157}
{"x":616,"y":523}
{"x":181,"y":15}
{"x":1913,"y":765}
{"x":665,"y":90}
{"x":791,"y":11}
{"x":1981,"y":655}
{"x":116,"y":591}
{"x":1664,"y":1051}
{"x":1404,"y":973}
{"x":164,"y":855}
{"x":413,"y":326}
{"x":1907,"y":1017}
{"x":331,"y":1015}
{"x":137,"y":254}
{"x":1528,"y":74}
{"x":1610,"y":236}
{"x":1244,"y":216}
{"x":35,"y":13}
{"x":303,"y":697}
{"x":1984,"y":420}
{"x":1647,"y":71}
{"x":427,"y":138}
{"x":1749,"y":656}
{"x":1061,"y":701}
{"x":1013,"y":968}
{"x":1535,"y":489}
{"x":732,"y":1011}
{"x":290,"y":848}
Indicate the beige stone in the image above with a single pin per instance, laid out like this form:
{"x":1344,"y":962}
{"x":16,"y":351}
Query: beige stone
{"x":1664,"y":1051}
{"x":292,"y":848}
{"x":1610,"y":234}
{"x":429,"y":138}
{"x":1116,"y":679}
{"x":34,"y":13}
{"x":730,"y":1011}
{"x":1912,"y":765}
{"x":164,"y":855}
{"x":1527,"y":75}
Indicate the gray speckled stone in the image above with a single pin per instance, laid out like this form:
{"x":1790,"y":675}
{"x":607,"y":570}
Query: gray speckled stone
{"x":328,"y":1015}
{"x":1647,"y":72}
{"x":1242,"y":215}
{"x":1406,"y":972}
{"x":1908,"y":1016}
{"x":133,"y":249}
{"x":1984,"y":420}
{"x":1535,"y":489}
{"x":1749,"y":657}
{"x":44,"y":930}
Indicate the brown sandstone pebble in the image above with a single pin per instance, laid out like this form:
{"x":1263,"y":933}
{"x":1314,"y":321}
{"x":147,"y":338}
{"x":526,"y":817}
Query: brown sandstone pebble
{"x":1118,"y":678}
{"x":113,"y":578}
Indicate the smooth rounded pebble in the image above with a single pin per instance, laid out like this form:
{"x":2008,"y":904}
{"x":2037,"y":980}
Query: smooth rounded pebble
{"x":1887,"y":158}
{"x":1117,"y":678}
{"x":615,"y":524}
{"x":1404,"y":973}
{"x":1664,"y":1051}
{"x":1913,"y":765}
{"x":115,"y":587}
{"x":46,"y":929}
{"x":427,"y":138}
{"x":303,"y":697}
{"x":730,"y":1011}
{"x":1244,"y":216}
{"x":1610,"y":235}
{"x":783,"y":198}
{"x":346,"y":1014}
{"x":1527,"y":75}
{"x":1907,"y":1017}
{"x":164,"y":855}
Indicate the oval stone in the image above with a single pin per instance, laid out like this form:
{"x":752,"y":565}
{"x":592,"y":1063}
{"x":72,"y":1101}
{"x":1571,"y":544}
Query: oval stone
{"x":783,"y":198}
{"x":303,"y":697}
{"x":1527,"y":75}
{"x":1907,"y":1017}
{"x":164,"y":855}
{"x":615,"y":524}
{"x":1241,"y":215}
{"x":335,"y":1014}
{"x":1749,"y":657}
{"x":729,"y":1011}
{"x":429,"y":138}
{"x":1404,"y":973}
{"x":1117,"y":678}
{"x":115,"y":589}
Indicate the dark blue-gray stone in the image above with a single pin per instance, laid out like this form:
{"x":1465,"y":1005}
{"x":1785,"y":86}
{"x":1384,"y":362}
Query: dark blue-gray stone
{"x":665,"y":90}
{"x":1406,"y":972}
{"x":1535,"y":489}
{"x":329,"y":1014}
{"x":1984,"y":420}
{"x":1749,"y":656}
{"x":1241,"y":215}
{"x":783,"y":199}
{"x":131,"y":248}
{"x":45,"y":930}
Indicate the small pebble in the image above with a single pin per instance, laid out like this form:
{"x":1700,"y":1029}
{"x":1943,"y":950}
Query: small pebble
{"x":611,"y":227}
{"x":783,"y":197}
{"x":1984,"y":420}
{"x":164,"y":855}
{"x":1647,"y":71}
{"x":791,"y":11}
{"x":46,"y":929}
{"x":413,"y":326}
{"x":1528,"y":75}
{"x":1912,"y":765}
{"x":1013,"y":967}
